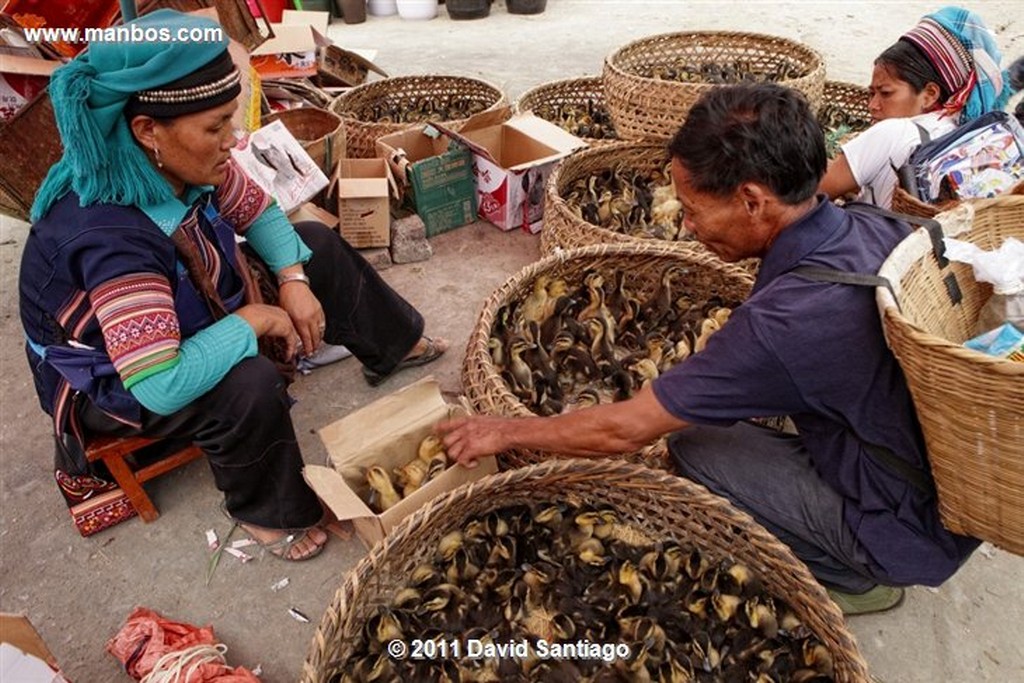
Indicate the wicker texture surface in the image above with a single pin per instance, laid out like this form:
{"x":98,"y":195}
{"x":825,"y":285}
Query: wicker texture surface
{"x":655,"y":503}
{"x":569,"y":92}
{"x":970,"y":405}
{"x":403,"y":91}
{"x":321,"y":133}
{"x":643,"y":264}
{"x":645,"y":107}
{"x":849,"y":98}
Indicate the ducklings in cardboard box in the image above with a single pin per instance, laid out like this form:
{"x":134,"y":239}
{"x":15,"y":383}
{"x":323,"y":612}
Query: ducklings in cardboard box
{"x":372,"y":451}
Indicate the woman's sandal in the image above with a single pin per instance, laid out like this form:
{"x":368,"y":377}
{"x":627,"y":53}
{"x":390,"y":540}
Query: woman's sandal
{"x":282,"y":547}
{"x":430,"y":354}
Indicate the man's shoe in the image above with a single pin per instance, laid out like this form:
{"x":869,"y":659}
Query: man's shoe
{"x":878,"y":599}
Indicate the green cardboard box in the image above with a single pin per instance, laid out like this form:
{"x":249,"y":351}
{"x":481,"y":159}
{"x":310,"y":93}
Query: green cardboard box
{"x":437,"y":172}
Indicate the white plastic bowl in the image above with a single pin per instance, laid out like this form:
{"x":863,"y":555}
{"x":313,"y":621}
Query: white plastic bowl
{"x":417,"y":9}
{"x":381,"y":8}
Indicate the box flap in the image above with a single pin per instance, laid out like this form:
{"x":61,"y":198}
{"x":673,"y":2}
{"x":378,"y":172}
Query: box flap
{"x":287,"y":38}
{"x":311,"y":212}
{"x":336,"y":493}
{"x":381,"y":420}
{"x":318,"y":21}
{"x":406,"y":147}
{"x":485,"y":119}
{"x":28,"y":66}
{"x":546,"y":133}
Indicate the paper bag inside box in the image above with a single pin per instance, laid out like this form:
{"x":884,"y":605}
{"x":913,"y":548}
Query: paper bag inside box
{"x":386,"y":433}
{"x":512,"y":160}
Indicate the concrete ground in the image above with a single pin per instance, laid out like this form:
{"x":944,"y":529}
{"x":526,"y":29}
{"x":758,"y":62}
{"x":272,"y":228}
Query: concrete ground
{"x":79,"y":591}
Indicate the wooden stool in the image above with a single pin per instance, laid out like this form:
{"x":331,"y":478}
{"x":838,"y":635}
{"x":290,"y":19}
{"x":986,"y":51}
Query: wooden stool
{"x":113,"y":451}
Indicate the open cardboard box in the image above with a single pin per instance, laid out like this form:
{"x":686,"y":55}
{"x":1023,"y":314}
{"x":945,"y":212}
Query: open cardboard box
{"x":512,"y":159}
{"x":387,"y":433}
{"x":439,"y":175}
{"x":364,"y":189}
{"x":24,"y":656}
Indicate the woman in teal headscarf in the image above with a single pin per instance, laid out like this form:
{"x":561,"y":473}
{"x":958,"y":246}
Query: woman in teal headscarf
{"x":944,"y":71}
{"x":139,"y":309}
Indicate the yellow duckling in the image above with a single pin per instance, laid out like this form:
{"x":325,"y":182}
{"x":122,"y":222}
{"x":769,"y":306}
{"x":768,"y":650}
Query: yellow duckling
{"x":382,"y":490}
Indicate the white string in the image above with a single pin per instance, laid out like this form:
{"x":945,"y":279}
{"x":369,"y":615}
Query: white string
{"x":169,"y":668}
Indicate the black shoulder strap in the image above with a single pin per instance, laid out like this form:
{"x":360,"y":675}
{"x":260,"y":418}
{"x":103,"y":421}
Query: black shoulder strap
{"x":918,"y":478}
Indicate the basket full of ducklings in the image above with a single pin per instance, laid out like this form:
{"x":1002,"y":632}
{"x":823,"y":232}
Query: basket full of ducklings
{"x":581,"y":570}
{"x":594,"y":325}
{"x":399,"y":103}
{"x":576,"y":105}
{"x":843,"y":114}
{"x":621,"y":193}
{"x":650,"y":84}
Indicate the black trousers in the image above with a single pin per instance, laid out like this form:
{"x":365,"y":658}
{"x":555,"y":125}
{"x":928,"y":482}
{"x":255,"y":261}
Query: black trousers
{"x":243,"y":424}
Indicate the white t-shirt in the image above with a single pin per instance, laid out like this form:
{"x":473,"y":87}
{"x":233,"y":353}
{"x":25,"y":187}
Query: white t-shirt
{"x":875,"y":154}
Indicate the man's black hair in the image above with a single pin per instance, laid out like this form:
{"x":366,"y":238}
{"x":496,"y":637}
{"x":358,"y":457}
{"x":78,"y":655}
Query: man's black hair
{"x":761,"y":133}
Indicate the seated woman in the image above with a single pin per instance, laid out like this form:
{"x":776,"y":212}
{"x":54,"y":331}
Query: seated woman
{"x":138,"y":308}
{"x":943,"y":72}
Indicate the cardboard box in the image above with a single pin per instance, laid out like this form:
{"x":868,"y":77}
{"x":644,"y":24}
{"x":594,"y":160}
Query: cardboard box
{"x":24,"y":655}
{"x":512,"y":159}
{"x":22,"y":79}
{"x":386,"y":433}
{"x":364,"y":191}
{"x":436,"y":172}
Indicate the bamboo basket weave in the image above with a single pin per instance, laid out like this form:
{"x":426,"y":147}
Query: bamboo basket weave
{"x":645,"y":107}
{"x":403,"y":91}
{"x":572,"y":91}
{"x":848,"y":97}
{"x":643,"y":263}
{"x":970,"y":405}
{"x":657,"y":504}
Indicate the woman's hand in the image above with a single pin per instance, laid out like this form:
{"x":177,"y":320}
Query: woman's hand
{"x":305,"y":311}
{"x":270,"y":321}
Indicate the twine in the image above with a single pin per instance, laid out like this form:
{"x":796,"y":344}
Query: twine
{"x":169,"y":668}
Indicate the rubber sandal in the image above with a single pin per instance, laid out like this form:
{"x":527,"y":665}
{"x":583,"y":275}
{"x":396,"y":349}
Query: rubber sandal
{"x":430,"y":354}
{"x":878,"y":599}
{"x":282,"y":547}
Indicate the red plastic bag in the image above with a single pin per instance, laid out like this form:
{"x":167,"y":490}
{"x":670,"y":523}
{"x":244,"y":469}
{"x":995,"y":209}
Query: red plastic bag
{"x":146,"y":637}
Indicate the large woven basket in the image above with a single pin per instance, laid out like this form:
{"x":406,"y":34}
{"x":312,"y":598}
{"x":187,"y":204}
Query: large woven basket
{"x":29,"y":145}
{"x":657,"y":504}
{"x":645,"y":107}
{"x":643,"y":264}
{"x":970,"y":405}
{"x":850,"y":98}
{"x":402,"y":91}
{"x":571,"y":91}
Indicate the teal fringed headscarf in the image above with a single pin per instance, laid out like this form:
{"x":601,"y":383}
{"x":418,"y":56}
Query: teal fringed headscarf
{"x":101,"y":161}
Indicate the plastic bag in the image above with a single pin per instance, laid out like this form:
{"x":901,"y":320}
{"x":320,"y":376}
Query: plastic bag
{"x":1003,"y":342}
{"x":1004,"y":270}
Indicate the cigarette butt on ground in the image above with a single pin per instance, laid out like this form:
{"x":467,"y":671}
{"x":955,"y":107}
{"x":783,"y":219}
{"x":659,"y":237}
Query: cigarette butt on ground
{"x":212,"y":542}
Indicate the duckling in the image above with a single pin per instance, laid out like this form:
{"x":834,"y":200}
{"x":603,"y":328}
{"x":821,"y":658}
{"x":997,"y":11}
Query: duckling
{"x":429,"y":447}
{"x":411,"y":475}
{"x":725,"y":605}
{"x":382,"y":491}
{"x":660,"y":304}
{"x":518,"y":368}
{"x":629,"y":579}
{"x":817,"y":657}
{"x":535,"y":305}
{"x":708,"y":327}
{"x":761,"y":616}
{"x":383,"y":626}
{"x":450,"y":544}
{"x":646,"y":370}
{"x":497,"y":350}
{"x":438,"y":464}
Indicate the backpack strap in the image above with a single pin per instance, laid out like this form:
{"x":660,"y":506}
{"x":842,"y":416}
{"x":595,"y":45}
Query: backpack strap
{"x":920,"y":479}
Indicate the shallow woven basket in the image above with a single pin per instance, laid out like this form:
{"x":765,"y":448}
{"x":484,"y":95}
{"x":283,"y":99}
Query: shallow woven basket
{"x":572,"y":91}
{"x":320,"y":132}
{"x":657,"y":504}
{"x":970,"y":405}
{"x":643,"y":264}
{"x":649,"y":108}
{"x":402,"y":91}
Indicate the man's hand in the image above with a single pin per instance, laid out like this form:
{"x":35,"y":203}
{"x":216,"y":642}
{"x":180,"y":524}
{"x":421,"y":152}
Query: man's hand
{"x":468,"y":438}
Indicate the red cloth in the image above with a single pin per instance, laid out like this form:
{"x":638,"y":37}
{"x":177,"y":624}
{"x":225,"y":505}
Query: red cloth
{"x":146,"y":637}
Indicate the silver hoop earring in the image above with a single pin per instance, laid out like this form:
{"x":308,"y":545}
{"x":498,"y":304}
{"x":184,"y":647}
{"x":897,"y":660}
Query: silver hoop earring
{"x":156,"y":155}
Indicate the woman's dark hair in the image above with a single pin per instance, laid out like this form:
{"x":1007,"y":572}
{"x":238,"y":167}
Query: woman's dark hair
{"x":762,"y":133}
{"x":908,"y":63}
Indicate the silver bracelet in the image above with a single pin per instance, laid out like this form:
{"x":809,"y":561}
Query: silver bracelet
{"x":293,"y":277}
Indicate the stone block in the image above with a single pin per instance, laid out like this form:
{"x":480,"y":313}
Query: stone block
{"x":380,"y":258}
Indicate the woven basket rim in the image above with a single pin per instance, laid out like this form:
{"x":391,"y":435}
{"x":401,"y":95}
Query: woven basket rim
{"x":920,"y":242}
{"x":602,"y":470}
{"x":817,"y":61}
{"x":335,"y":105}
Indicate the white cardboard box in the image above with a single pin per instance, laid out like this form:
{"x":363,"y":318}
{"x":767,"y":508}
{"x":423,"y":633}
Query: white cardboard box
{"x":387,"y":433}
{"x":512,"y":160}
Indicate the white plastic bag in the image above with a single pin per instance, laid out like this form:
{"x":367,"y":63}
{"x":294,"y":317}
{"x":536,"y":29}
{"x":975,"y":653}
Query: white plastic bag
{"x":1004,"y":270}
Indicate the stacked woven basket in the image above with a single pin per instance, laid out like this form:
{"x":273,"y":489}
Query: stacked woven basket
{"x":656,"y":505}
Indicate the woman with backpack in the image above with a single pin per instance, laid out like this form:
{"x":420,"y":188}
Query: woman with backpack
{"x":940,"y":74}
